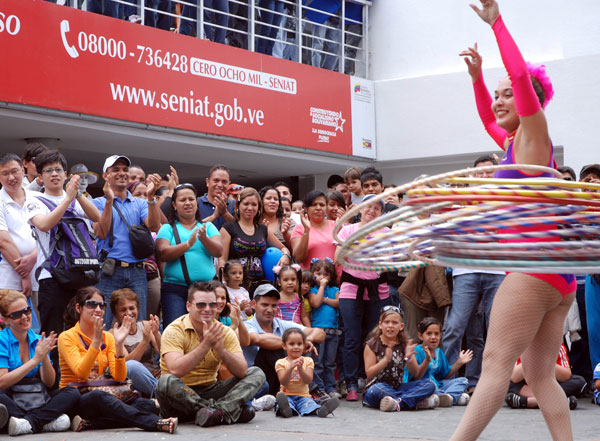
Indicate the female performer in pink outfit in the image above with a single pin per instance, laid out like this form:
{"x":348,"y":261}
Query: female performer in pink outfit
{"x":529,"y":309}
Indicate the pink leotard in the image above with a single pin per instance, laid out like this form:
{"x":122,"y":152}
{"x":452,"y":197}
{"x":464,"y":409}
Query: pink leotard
{"x":527,"y":103}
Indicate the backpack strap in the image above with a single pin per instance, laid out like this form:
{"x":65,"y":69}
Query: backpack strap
{"x":186,"y":274}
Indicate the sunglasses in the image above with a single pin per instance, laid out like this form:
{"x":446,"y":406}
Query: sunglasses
{"x":203,"y":305}
{"x":18,"y":314}
{"x":92,"y":304}
{"x":186,"y":185}
{"x":391,"y":308}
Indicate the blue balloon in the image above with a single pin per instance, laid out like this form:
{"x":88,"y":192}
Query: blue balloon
{"x":269,"y":260}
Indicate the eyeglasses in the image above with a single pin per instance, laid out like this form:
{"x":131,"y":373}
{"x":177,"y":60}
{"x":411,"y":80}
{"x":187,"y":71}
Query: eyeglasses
{"x":391,"y":308}
{"x":186,"y":185}
{"x":203,"y":305}
{"x":14,"y":172}
{"x":92,"y":304}
{"x":18,"y":314}
{"x":50,"y":171}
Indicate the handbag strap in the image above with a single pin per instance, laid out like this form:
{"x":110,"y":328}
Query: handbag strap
{"x":186,"y":275}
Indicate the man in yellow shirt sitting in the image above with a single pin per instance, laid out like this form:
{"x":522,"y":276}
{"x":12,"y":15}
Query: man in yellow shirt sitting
{"x":192,"y":349}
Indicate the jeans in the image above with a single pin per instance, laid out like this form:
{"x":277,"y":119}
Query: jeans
{"x":356,"y":326}
{"x":173,"y":300}
{"x":265,"y":360}
{"x":110,"y":8}
{"x":214,"y":34}
{"x":592,"y":308}
{"x":350,"y":52}
{"x":61,"y":401}
{"x":455,"y":387}
{"x":104,"y":411}
{"x":165,"y":21}
{"x":469,"y":290}
{"x":411,"y":393}
{"x":265,"y":46}
{"x":130,"y":277}
{"x":178,"y":400}
{"x":141,"y":378}
{"x":330,"y":60}
{"x":324,"y":374}
{"x":300,"y":405}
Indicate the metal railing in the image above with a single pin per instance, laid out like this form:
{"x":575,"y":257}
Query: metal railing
{"x":282,"y":28}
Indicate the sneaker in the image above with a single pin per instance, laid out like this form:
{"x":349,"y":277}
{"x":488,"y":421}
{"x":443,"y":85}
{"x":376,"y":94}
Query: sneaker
{"x":18,"y":426}
{"x":3,"y":416}
{"x":328,"y":407}
{"x":335,"y":394}
{"x":320,"y":396}
{"x":247,"y":415}
{"x":430,"y":402}
{"x":463,"y":400}
{"x":515,"y":401}
{"x":342,"y":389}
{"x":78,"y":424}
{"x":208,"y":417}
{"x":361,"y":384}
{"x":284,"y":405}
{"x":60,"y":424}
{"x":572,"y":402}
{"x":390,"y":404}
{"x":266,"y":402}
{"x":352,"y":395}
{"x":135,"y":18}
{"x":446,"y":400}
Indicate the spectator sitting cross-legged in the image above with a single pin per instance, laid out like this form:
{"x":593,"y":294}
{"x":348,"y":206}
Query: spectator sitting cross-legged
{"x":192,"y":350}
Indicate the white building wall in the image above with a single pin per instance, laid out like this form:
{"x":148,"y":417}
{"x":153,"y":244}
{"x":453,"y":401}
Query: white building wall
{"x":425,"y":111}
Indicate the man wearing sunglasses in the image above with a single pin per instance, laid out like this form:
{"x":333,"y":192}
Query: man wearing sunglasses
{"x":192,"y":350}
{"x":17,"y":245}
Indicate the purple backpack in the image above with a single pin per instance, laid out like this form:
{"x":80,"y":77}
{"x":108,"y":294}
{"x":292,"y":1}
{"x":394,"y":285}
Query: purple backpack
{"x":71,"y":258}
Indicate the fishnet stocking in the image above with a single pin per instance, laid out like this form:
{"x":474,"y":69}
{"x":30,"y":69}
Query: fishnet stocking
{"x":527,"y":319}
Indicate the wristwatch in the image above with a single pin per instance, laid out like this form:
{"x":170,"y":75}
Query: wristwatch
{"x":152,"y":201}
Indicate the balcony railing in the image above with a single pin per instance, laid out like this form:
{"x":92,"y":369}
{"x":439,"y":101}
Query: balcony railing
{"x":286,"y":29}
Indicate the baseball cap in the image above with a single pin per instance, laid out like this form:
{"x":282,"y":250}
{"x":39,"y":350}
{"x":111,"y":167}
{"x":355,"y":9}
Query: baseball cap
{"x":371,"y":196}
{"x":264,"y":289}
{"x":111,"y":160}
{"x":586,"y":170}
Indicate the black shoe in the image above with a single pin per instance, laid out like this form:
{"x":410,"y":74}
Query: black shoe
{"x":3,"y":416}
{"x":328,"y":407}
{"x":572,"y":402}
{"x":207,"y":417}
{"x":514,"y":401}
{"x":247,"y":414}
{"x":284,"y":405}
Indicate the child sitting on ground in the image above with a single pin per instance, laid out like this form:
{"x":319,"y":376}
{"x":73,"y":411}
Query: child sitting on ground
{"x":433,"y":364}
{"x":295,"y":373}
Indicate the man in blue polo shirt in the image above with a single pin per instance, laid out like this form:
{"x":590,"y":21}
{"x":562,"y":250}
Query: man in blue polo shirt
{"x":213,"y":206}
{"x":265,"y":332}
{"x":128,"y":270}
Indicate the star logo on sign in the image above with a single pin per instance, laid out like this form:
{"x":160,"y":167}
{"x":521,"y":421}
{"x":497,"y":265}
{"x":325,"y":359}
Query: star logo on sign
{"x":339,"y":123}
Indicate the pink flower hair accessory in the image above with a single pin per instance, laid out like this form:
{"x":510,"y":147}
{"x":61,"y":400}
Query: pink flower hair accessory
{"x":538,"y":71}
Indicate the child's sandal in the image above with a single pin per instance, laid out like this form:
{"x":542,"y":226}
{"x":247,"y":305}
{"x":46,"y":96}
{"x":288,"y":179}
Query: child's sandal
{"x":167,"y":425}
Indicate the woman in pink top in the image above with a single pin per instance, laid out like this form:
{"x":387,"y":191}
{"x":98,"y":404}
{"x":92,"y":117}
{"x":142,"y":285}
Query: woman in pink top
{"x":313,"y":238}
{"x":362,"y":295}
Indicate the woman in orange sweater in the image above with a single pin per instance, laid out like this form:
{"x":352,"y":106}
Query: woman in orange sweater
{"x":87,"y":352}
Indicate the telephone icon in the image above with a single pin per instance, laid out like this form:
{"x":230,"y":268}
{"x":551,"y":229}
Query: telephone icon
{"x":64,"y":29}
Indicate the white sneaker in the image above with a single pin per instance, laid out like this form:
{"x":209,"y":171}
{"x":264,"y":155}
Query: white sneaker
{"x":431,"y":402}
{"x":60,"y":424}
{"x":361,"y":384}
{"x":18,"y":426}
{"x":266,"y":402}
{"x":390,"y":404}
{"x":446,"y":400}
{"x":135,"y":18}
{"x":463,"y":400}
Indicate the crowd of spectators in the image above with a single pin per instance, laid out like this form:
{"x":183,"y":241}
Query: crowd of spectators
{"x":227,"y":329}
{"x":321,"y":24}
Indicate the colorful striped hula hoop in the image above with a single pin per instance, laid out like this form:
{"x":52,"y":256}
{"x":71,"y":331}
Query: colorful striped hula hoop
{"x":541,"y":225}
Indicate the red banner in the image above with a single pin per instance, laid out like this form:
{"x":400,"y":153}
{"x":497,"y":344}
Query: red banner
{"x":62,"y":58}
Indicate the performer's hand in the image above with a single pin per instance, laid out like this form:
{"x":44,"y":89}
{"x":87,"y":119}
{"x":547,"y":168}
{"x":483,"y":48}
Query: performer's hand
{"x":490,"y":11}
{"x":473,"y":60}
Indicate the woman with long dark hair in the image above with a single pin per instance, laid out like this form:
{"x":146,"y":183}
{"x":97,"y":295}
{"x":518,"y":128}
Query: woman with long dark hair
{"x":188,"y":247}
